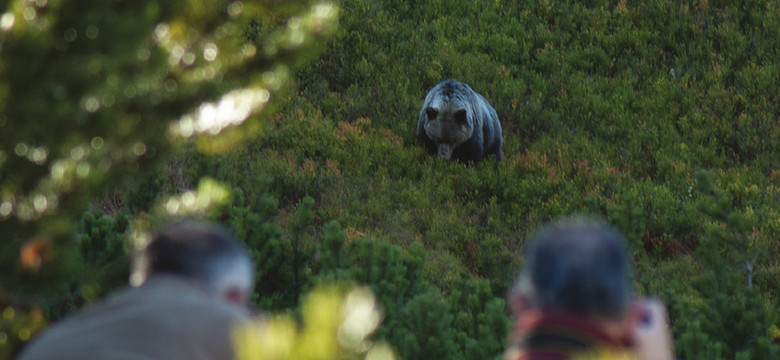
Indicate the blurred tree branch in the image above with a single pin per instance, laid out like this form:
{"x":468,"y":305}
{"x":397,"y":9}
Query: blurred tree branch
{"x":95,"y":93}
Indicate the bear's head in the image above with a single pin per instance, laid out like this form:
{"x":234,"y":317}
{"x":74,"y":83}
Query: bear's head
{"x":447,"y":128}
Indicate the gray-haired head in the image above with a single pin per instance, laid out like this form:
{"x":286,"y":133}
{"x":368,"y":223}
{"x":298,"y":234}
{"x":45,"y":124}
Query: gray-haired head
{"x":577,"y":266}
{"x":205,"y":253}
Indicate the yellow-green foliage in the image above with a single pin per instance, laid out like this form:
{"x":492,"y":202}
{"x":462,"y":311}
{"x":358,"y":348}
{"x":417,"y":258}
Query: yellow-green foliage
{"x":335,"y":325}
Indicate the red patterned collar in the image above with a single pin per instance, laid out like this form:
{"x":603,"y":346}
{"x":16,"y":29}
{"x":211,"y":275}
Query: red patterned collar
{"x":557,"y":336}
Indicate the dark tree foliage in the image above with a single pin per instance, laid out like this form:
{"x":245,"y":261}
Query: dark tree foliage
{"x":95,"y":94}
{"x":732,"y":321}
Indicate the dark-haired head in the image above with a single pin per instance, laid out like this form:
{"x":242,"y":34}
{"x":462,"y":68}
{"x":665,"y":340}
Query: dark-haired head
{"x":577,"y":266}
{"x":204,"y":253}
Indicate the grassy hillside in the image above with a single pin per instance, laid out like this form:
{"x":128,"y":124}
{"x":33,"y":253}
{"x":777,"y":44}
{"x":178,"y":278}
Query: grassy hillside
{"x":661,"y":117}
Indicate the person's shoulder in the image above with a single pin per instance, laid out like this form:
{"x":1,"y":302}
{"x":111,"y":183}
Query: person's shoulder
{"x":606,"y":354}
{"x":171,"y":293}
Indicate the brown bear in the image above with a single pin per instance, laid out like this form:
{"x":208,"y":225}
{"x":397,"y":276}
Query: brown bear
{"x":457,"y":123}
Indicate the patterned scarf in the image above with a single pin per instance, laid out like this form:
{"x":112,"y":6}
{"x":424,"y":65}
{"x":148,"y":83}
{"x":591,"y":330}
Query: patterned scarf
{"x":555,"y":336}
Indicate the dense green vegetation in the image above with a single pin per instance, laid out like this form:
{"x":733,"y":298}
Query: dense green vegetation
{"x":660,"y":117}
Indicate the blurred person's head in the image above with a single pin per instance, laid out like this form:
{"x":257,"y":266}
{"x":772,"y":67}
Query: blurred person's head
{"x":574,"y":299}
{"x":578,"y":267}
{"x":204,"y":253}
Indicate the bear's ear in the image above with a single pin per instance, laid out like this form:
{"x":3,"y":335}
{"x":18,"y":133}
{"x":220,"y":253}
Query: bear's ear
{"x":431,"y":112}
{"x":460,"y":116}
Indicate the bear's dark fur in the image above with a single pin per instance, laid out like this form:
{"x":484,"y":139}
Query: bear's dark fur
{"x":457,"y":123}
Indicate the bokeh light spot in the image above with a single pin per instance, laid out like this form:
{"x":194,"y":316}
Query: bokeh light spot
{"x":92,"y":32}
{"x":210,"y":52}
{"x":94,"y":66}
{"x":129,"y":92}
{"x":78,"y":153}
{"x":97,"y":142}
{"x":171,"y":84}
{"x":24,"y":334}
{"x":188,"y":199}
{"x":29,"y":14}
{"x":235,"y":8}
{"x":33,"y":253}
{"x":21,"y":149}
{"x":36,"y":315}
{"x":186,"y":126}
{"x":143,"y":54}
{"x":108,"y":100}
{"x":91,"y":104}
{"x":24,"y":211}
{"x":176,"y":54}
{"x":172,"y":206}
{"x":39,"y":155}
{"x":232,"y":109}
{"x":5,"y":208}
{"x":58,"y":170}
{"x":40,"y":203}
{"x":188,"y":58}
{"x":7,"y":21}
{"x":361,"y":318}
{"x":136,"y":279}
{"x":70,"y":34}
{"x":161,"y":31}
{"x":264,"y":95}
{"x":82,"y":170}
{"x":9,"y":313}
{"x":139,"y":149}
{"x":113,"y":80}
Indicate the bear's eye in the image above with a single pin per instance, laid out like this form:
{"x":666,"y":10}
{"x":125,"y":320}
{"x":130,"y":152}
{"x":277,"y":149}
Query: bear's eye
{"x":431,"y":112}
{"x":460,"y":116}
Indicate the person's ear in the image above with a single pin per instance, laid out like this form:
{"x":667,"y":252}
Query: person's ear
{"x":519,"y":303}
{"x":236,"y":296}
{"x":637,"y":317}
{"x":651,"y":335}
